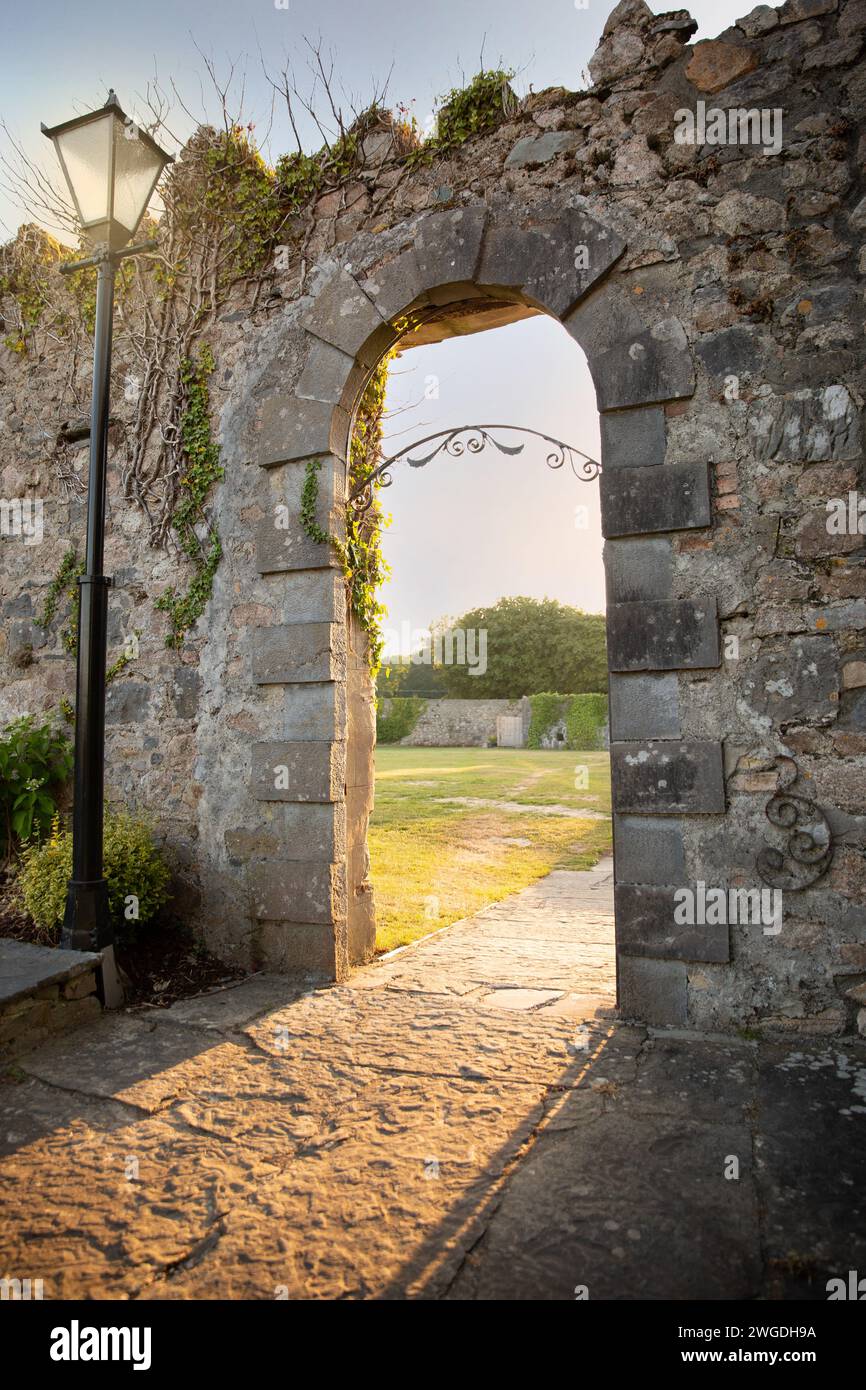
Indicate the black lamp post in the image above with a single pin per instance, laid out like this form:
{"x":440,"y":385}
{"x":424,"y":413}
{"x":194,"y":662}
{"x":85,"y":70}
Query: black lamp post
{"x":111,"y":168}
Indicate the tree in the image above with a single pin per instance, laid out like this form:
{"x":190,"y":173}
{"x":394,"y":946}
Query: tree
{"x":530,"y":645}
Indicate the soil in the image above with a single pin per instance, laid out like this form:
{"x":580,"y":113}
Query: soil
{"x":161,"y":964}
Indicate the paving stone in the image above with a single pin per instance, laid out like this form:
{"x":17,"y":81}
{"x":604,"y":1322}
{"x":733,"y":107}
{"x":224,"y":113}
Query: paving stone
{"x":519,"y":998}
{"x":662,"y":636}
{"x":594,"y":1209}
{"x":228,"y":1008}
{"x":667,"y":778}
{"x":673,"y":498}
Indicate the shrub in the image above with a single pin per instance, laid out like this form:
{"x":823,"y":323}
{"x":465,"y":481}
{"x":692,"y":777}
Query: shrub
{"x":35,"y":760}
{"x":133,"y":867}
{"x":399,"y":723}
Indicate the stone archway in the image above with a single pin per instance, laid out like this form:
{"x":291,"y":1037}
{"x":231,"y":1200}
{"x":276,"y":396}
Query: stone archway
{"x":310,"y":897}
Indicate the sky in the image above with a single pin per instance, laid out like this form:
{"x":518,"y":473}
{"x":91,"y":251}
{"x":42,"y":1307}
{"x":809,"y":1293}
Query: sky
{"x":463,"y":533}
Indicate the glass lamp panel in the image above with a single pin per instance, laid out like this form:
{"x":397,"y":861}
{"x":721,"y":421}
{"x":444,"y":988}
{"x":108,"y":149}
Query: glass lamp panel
{"x":137,"y":166}
{"x":85,"y":153}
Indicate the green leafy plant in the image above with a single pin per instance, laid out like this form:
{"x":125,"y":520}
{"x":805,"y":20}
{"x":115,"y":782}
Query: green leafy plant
{"x":64,"y":583}
{"x":482,"y":104}
{"x":403,"y":715}
{"x":35,"y":761}
{"x":584,"y":717}
{"x":133,"y":866}
{"x":585,"y":721}
{"x":360,"y":554}
{"x":202,"y":454}
{"x":547,"y":710}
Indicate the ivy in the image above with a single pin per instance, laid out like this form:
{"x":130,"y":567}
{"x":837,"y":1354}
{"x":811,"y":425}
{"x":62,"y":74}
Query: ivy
{"x":360,"y":554}
{"x":202,"y":454}
{"x":65,"y":580}
{"x":483,"y":104}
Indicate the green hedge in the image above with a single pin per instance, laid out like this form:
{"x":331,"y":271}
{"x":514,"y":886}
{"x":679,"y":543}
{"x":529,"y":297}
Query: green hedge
{"x":585,"y":721}
{"x":584,"y":715}
{"x":399,"y":723}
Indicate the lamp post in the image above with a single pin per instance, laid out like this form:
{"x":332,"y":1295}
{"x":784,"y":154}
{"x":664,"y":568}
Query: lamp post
{"x":111,"y":168}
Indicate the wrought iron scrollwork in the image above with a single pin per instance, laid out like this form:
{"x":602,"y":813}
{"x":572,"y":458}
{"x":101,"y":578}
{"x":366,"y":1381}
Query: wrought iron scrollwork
{"x":808,"y":852}
{"x":471,"y":439}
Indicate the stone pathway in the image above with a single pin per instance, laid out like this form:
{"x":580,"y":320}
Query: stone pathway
{"x":464,"y":1119}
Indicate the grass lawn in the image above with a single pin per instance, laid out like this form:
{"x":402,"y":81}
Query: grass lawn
{"x":435,"y":860}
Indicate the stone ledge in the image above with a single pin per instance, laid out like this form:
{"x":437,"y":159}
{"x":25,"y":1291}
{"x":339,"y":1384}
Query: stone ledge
{"x":43,"y":991}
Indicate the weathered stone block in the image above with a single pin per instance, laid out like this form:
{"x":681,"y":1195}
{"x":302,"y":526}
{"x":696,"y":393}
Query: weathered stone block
{"x":447,"y":245}
{"x":638,"y":569}
{"x":315,"y":712}
{"x":298,"y":771}
{"x":312,"y":596}
{"x":128,"y":702}
{"x":342,"y":315}
{"x":289,"y":427}
{"x":325,"y":373}
{"x":648,"y":850}
{"x":633,"y":438}
{"x":293,"y":891}
{"x":299,"y":652}
{"x":308,"y":831}
{"x":553,"y":259}
{"x":532,"y":150}
{"x":663,"y":636}
{"x":644,"y":707}
{"x":797,"y":680}
{"x":297,"y":948}
{"x":394,"y":284}
{"x":645,"y":927}
{"x":653,"y":991}
{"x":282,"y":545}
{"x":631,"y":364}
{"x":805,"y":427}
{"x":673,"y":498}
{"x":652,"y":778}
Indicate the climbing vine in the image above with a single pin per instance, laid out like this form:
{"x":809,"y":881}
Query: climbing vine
{"x":360,"y":555}
{"x":203,"y":469}
{"x":227,"y":215}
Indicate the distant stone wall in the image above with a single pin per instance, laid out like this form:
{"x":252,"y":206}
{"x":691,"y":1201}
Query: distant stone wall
{"x":457,"y":723}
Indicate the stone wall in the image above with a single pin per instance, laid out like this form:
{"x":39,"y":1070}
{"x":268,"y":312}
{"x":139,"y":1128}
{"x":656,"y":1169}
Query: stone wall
{"x":457,"y":723}
{"x":718,"y":294}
